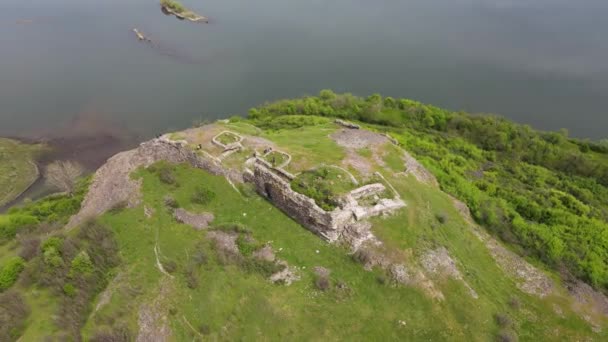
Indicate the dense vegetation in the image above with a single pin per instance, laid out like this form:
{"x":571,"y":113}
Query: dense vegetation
{"x":43,"y":215}
{"x":543,"y":192}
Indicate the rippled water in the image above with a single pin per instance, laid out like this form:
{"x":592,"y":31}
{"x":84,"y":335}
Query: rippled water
{"x":543,"y":62}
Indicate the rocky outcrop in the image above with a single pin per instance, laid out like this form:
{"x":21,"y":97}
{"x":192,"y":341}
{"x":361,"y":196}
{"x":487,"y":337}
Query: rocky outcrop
{"x":347,"y":124}
{"x":112,"y":183}
{"x":197,"y":221}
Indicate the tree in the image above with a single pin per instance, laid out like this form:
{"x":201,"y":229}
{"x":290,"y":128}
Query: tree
{"x":63,"y":175}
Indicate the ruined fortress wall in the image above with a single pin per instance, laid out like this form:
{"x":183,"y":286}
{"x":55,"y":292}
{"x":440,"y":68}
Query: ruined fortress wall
{"x":297,"y":206}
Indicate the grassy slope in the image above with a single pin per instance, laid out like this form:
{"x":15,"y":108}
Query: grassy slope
{"x":230,"y":304}
{"x":17,"y":170}
{"x":238,"y":305}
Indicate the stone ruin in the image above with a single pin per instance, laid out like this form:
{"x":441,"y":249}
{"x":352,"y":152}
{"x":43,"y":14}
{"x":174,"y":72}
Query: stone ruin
{"x":274,"y":184}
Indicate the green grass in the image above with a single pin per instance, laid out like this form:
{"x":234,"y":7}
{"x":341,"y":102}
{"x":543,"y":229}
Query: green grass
{"x":394,"y":158}
{"x":17,"y":169}
{"x":309,"y":146}
{"x":231,"y":304}
{"x":326,"y":185}
{"x":276,"y":158}
{"x":235,"y":301}
{"x":227,"y":138}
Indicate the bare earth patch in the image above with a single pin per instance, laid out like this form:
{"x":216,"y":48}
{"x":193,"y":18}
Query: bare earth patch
{"x":529,"y":279}
{"x":422,"y":175}
{"x":225,"y":241}
{"x":358,"y":138}
{"x":357,"y":162}
{"x":197,"y":221}
{"x":587,"y":298}
{"x":286,"y":276}
{"x":152,"y":319}
{"x":265,"y":253}
{"x":439,"y":262}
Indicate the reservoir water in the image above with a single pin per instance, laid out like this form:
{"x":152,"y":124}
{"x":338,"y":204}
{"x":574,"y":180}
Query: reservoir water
{"x":540,"y":62}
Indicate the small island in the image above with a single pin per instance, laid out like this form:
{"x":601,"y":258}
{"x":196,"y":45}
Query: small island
{"x":173,"y":7}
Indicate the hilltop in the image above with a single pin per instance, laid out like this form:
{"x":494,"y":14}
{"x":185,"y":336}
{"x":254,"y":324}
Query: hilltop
{"x":330,"y":217}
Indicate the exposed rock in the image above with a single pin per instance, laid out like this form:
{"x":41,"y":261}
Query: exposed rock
{"x":529,"y":278}
{"x":224,"y":241}
{"x":440,"y":262}
{"x":400,"y":274}
{"x":413,"y":167}
{"x":305,"y":211}
{"x":586,"y":295}
{"x":347,"y":124}
{"x":148,"y":212}
{"x":112,"y":183}
{"x":197,"y":221}
{"x":358,"y":138}
{"x":265,"y":253}
{"x":357,"y":234}
{"x":286,"y":276}
{"x":152,"y":318}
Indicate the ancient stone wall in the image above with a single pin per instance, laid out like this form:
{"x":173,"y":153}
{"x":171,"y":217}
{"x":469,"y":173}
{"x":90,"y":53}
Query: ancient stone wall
{"x":302,"y":209}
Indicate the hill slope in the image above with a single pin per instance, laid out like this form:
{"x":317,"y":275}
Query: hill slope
{"x":177,"y":252}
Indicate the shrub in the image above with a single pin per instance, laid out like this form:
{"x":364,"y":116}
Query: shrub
{"x":322,"y":282}
{"x":262,"y":267}
{"x":166,"y":176}
{"x":171,"y":202}
{"x":191,"y":276}
{"x":118,"y":207}
{"x":506,"y":336}
{"x":69,"y":290}
{"x":81,"y":265}
{"x":502,"y":320}
{"x":10,"y":272}
{"x":116,"y":334}
{"x":30,"y":248}
{"x":514,"y":303}
{"x":204,"y":329}
{"x":202,"y":196}
{"x":13,"y":315}
{"x":441,"y":218}
{"x":170,"y":266}
{"x":246,"y":244}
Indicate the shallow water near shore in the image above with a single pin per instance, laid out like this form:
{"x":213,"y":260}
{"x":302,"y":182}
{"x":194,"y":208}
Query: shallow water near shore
{"x":538,"y":62}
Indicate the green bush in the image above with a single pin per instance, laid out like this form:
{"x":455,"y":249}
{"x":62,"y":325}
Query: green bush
{"x":202,"y":196}
{"x":81,"y":265}
{"x":10,"y":271}
{"x":69,"y":290}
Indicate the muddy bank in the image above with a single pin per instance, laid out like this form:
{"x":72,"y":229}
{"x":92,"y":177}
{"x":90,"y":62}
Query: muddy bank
{"x":88,"y":142}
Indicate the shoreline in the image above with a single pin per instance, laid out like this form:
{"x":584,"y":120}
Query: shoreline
{"x":89,"y":150}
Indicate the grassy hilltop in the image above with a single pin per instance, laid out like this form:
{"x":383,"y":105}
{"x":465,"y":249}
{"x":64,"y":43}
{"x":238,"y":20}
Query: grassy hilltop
{"x":139,"y":272}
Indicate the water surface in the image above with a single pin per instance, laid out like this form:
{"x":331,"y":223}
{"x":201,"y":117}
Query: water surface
{"x":542,"y":62}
